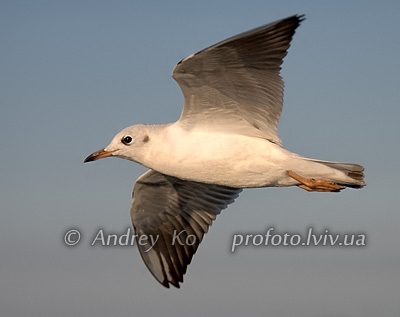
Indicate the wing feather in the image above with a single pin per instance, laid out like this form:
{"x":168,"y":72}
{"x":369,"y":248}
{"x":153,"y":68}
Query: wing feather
{"x":235,"y":85}
{"x":177,"y":213}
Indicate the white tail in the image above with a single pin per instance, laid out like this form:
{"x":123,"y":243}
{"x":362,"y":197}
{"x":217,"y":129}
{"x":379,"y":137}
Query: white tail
{"x":353,"y":172}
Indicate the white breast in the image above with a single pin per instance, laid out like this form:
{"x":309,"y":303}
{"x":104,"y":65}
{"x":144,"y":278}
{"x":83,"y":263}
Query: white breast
{"x":215,"y":157}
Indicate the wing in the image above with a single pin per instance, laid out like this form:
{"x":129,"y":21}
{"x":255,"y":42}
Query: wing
{"x":235,"y":85}
{"x":175,"y":214}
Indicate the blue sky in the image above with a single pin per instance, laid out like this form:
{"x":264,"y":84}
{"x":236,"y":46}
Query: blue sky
{"x":73,"y":73}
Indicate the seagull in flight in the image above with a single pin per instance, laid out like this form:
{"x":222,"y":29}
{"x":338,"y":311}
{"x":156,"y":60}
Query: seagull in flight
{"x":226,"y":139}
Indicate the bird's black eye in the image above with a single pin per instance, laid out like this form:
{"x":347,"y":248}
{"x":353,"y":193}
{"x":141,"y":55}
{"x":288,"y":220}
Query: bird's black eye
{"x":127,"y":139}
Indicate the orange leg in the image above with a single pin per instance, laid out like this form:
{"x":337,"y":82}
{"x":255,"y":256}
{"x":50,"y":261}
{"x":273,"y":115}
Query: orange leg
{"x":317,"y":185}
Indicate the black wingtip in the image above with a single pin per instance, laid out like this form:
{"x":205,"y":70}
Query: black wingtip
{"x":301,"y":17}
{"x":167,"y":284}
{"x":296,"y":19}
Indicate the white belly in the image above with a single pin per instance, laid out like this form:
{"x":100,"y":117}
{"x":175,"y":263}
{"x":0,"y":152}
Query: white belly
{"x":224,"y":159}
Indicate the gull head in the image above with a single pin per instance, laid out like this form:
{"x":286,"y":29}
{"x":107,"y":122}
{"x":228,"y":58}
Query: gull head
{"x":127,"y":144}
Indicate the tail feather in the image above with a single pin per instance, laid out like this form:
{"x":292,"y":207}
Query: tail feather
{"x":355,"y":173}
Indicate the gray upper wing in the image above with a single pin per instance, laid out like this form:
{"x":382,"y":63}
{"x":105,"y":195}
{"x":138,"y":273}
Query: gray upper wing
{"x":164,"y":207}
{"x":235,"y":85}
